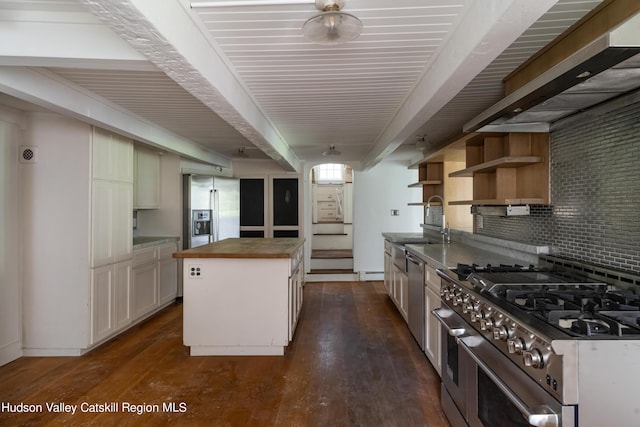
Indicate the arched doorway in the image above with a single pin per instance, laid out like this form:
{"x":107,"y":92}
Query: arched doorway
{"x":331,"y":223}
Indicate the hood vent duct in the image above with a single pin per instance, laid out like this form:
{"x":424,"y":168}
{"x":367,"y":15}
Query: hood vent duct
{"x":604,"y":69}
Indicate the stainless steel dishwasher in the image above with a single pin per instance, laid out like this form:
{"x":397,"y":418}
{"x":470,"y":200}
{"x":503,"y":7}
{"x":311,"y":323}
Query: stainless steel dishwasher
{"x":415,"y":308}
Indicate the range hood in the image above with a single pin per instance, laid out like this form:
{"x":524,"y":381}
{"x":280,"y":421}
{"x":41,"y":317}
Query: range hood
{"x":604,"y":69}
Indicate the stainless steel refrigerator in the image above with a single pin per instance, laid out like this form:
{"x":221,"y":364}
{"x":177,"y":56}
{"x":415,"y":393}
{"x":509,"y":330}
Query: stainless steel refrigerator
{"x":211,"y":209}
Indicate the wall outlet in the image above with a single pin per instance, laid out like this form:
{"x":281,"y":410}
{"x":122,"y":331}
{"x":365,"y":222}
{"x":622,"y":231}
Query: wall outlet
{"x":195,"y":271}
{"x":395,"y":212}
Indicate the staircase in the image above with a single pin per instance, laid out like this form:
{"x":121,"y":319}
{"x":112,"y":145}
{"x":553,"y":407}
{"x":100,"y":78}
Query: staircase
{"x":332,"y":253}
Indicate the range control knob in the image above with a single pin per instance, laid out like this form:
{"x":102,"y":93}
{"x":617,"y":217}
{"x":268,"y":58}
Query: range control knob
{"x":533,"y":358}
{"x":515,"y":345}
{"x":457,"y":300}
{"x":486,"y":323}
{"x":471,"y":307}
{"x":446,"y":294}
{"x":476,"y":314}
{"x":500,"y":333}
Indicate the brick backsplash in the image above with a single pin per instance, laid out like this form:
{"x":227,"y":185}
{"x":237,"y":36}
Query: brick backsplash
{"x":595,"y":194}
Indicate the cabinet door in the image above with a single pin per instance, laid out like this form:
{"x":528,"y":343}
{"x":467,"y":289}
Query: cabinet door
{"x":102,"y":251}
{"x":145,"y":286}
{"x":122,"y":159}
{"x":122,"y":294}
{"x":112,"y":157}
{"x":101,"y":152}
{"x":432,"y":329}
{"x":387,"y":272}
{"x":404,"y":294}
{"x":122,"y":226}
{"x":168,"y":280}
{"x":102,"y":310}
{"x":111,"y":222}
{"x":147,"y":179}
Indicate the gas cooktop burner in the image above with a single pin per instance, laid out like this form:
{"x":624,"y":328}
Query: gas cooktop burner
{"x":572,"y":304}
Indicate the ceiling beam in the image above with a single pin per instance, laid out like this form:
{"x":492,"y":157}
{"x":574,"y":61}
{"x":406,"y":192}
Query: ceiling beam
{"x":50,"y":91}
{"x":169,"y":36}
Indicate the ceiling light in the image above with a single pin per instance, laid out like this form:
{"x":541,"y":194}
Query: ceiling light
{"x":331,"y":26}
{"x":331,"y":151}
{"x":421,"y":145}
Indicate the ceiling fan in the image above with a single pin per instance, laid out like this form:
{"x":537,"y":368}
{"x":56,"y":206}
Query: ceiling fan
{"x":330,"y":27}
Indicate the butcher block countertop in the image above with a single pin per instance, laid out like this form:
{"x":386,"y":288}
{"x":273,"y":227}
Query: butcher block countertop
{"x":245,"y":248}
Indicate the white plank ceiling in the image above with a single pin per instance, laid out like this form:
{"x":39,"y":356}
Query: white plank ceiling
{"x":311,"y":95}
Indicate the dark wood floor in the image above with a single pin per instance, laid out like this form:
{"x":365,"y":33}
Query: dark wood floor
{"x":353,"y":362}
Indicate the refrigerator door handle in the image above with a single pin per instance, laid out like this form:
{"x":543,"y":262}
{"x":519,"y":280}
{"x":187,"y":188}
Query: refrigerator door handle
{"x":216,"y":215}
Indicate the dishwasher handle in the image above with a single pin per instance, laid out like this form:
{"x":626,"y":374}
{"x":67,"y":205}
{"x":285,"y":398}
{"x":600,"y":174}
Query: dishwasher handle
{"x":413,"y":259}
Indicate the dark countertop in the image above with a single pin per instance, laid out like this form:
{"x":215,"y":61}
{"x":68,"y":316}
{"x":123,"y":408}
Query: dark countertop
{"x":142,"y":242}
{"x":406,"y":237}
{"x":245,"y":248}
{"x":448,"y":255}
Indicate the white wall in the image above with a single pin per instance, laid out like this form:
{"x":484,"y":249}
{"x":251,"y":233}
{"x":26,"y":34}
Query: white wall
{"x":10,"y":289}
{"x":55,"y":193}
{"x":375,"y":193}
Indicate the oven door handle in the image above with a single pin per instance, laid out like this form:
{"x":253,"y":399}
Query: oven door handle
{"x":443,"y":315}
{"x":541,"y":416}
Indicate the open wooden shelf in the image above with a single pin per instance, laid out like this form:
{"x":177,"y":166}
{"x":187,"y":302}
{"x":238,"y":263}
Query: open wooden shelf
{"x":433,"y":203}
{"x":431,"y":180}
{"x":507,"y":169}
{"x":421,"y":183}
{"x":503,"y":162}
{"x":500,"y":202}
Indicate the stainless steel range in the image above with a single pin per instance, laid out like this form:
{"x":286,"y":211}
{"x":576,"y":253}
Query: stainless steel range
{"x":552,"y":346}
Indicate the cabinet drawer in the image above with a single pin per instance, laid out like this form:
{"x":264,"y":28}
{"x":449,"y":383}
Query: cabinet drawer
{"x":326,"y":215}
{"x":166,"y":251}
{"x":431,"y":279}
{"x":387,"y":246}
{"x":144,"y":256}
{"x":326,"y":205}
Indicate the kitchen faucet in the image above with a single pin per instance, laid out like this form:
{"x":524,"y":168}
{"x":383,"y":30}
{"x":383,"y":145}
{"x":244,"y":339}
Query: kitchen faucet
{"x":446,"y":230}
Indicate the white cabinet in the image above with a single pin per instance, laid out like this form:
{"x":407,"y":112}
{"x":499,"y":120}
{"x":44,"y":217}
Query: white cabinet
{"x":112,"y":157}
{"x":155,"y":279}
{"x":144,"y":284}
{"x":110,"y":296}
{"x":146,"y":194}
{"x":167,"y":273}
{"x":122,"y":294}
{"x":111,"y":233}
{"x":387,"y":272}
{"x":102,"y":322}
{"x":296,"y":281}
{"x":111,"y":198}
{"x":111,"y":222}
{"x":400,"y":290}
{"x":432,"y":326}
{"x":328,"y":201}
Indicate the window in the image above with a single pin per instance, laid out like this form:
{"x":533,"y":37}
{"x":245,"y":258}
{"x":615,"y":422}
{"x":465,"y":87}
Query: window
{"x":330,"y":173}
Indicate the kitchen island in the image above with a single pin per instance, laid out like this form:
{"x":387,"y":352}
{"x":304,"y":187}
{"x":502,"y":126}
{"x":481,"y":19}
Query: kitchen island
{"x":242,"y":296}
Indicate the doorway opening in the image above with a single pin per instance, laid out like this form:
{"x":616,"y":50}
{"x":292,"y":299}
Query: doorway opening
{"x":332,"y":223}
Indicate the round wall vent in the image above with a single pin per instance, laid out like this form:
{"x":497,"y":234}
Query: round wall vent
{"x":28,"y":154}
